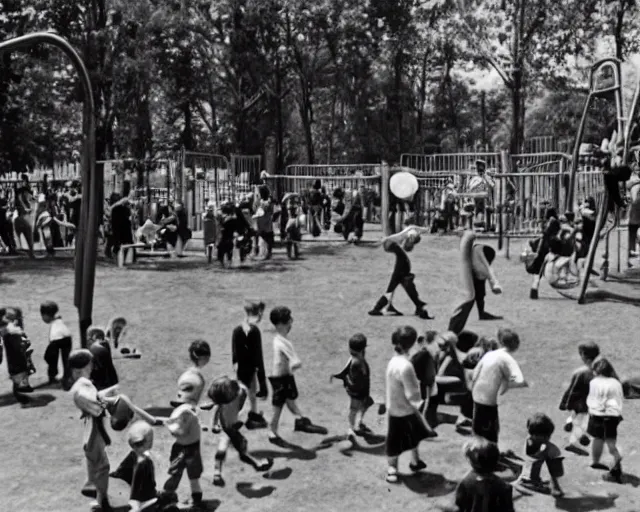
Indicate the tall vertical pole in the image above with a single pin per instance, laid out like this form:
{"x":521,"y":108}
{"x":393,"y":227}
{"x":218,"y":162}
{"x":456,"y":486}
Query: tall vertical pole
{"x":385,"y":175}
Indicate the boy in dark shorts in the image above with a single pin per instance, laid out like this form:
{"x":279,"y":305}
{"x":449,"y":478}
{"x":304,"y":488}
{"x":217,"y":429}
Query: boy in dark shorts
{"x":59,"y":343}
{"x":495,"y":374}
{"x":540,"y":450}
{"x":285,"y":391}
{"x":228,"y":397}
{"x":356,"y":377}
{"x":248,"y":362}
{"x":184,"y":426}
{"x":481,"y":490}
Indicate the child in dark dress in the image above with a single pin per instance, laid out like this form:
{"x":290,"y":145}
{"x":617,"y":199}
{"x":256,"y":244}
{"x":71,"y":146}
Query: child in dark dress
{"x":481,"y":490}
{"x":356,"y":377}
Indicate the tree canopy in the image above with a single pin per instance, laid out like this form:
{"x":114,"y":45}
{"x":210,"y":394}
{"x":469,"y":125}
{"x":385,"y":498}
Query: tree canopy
{"x":328,"y":80}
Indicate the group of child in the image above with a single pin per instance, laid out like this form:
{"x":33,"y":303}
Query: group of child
{"x":594,"y":398}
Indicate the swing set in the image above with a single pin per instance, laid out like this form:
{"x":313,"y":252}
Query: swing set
{"x":605,"y":81}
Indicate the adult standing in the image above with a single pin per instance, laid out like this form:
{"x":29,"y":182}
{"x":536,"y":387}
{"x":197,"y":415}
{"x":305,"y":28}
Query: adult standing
{"x":121,"y":227}
{"x":74,"y":204}
{"x":22,"y":222}
{"x":481,"y":183}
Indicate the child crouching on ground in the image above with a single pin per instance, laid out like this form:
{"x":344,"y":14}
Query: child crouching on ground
{"x":481,"y":489}
{"x":356,"y":377}
{"x":229,"y":397}
{"x":605,"y":414}
{"x":540,"y":450}
{"x":575,"y":399}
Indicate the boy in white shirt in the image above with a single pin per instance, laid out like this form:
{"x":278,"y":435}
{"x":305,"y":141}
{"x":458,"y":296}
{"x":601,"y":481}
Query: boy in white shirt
{"x":495,"y":374}
{"x":60,"y":341}
{"x":285,"y":391}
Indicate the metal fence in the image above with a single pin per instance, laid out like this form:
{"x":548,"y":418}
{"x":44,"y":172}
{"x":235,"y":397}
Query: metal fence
{"x":450,"y":162}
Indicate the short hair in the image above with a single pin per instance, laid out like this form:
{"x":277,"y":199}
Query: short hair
{"x":540,"y":425}
{"x":198,"y":349}
{"x":49,"y":308}
{"x":223,"y":390}
{"x":95,"y":332}
{"x":254,"y":308}
{"x":604,"y":368}
{"x":403,"y":338}
{"x":487,"y":344}
{"x":430,"y":336}
{"x":79,"y":359}
{"x":358,"y":342}
{"x":508,"y":338}
{"x":489,"y":253}
{"x":483,"y":455}
{"x":589,"y":350}
{"x":280,"y":315}
{"x":264,"y":192}
{"x":338,"y":193}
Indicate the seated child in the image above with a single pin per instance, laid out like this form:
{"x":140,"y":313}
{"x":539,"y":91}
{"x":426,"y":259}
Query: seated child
{"x":481,"y":489}
{"x":560,"y":271}
{"x":575,"y":399}
{"x":540,"y":450}
{"x":356,"y":377}
{"x":229,"y":397}
{"x":143,"y":495}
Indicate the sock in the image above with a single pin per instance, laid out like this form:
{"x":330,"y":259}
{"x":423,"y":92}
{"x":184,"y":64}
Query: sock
{"x":195,"y":486}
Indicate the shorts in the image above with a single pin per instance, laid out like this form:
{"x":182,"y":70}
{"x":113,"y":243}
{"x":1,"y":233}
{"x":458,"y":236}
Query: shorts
{"x":603,"y":427}
{"x":485,"y":422}
{"x":404,"y":434}
{"x":186,"y":457}
{"x":360,"y":404}
{"x":284,"y":388}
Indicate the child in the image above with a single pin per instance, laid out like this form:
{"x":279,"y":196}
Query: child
{"x":425,"y":367}
{"x":407,"y":427}
{"x":184,"y":426}
{"x":285,"y":391}
{"x":495,"y":374}
{"x":104,"y":373}
{"x":264,"y":220}
{"x":477,"y":352}
{"x":539,"y":450}
{"x":356,"y":377}
{"x":92,"y":403}
{"x":18,"y":351}
{"x":575,"y":399}
{"x":200,"y":355}
{"x":246,"y":348}
{"x":605,"y":413}
{"x":400,"y":244}
{"x":481,"y":489}
{"x":143,"y":495}
{"x":229,"y":397}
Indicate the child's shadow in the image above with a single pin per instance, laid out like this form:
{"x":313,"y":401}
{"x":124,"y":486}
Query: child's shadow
{"x":278,"y":474}
{"x":586,"y":503}
{"x":248,"y":490}
{"x":433,"y":484}
{"x":32,"y":401}
{"x":631,"y":480}
{"x":295,"y":452}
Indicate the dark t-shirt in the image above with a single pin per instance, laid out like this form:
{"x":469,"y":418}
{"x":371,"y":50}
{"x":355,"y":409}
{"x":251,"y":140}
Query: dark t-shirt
{"x":358,"y":379}
{"x":143,"y":485}
{"x":486,"y":493}
{"x":403,"y":264}
{"x":425,"y":368}
{"x":104,"y":373}
{"x":75,"y":204}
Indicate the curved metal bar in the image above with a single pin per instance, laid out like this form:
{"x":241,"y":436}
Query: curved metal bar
{"x":86,"y":238}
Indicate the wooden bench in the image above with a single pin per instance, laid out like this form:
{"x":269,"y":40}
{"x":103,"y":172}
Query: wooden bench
{"x":128,"y":253}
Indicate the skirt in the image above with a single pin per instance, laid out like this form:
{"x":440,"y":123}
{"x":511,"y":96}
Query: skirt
{"x":404,"y":434}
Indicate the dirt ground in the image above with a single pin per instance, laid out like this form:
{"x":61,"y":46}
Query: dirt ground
{"x":170,"y":303}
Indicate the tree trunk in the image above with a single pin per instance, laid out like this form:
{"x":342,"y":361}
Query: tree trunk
{"x":423,"y":96}
{"x":398,"y":67}
{"x":306,"y":115}
{"x":517,"y":126}
{"x":618,"y":35}
{"x":187,"y":139}
{"x":279,"y":119}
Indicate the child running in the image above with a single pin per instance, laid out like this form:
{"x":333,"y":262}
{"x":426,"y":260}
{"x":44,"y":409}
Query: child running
{"x":285,"y":391}
{"x":481,"y":490}
{"x":407,"y":427}
{"x":229,"y":397}
{"x":575,"y":399}
{"x":605,"y":414}
{"x":356,"y":377}
{"x":248,"y":362}
{"x":495,"y":374}
{"x":59,"y":343}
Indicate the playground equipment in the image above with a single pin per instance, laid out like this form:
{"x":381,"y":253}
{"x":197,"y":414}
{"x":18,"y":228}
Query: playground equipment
{"x":604,"y":82}
{"x":87,"y":236}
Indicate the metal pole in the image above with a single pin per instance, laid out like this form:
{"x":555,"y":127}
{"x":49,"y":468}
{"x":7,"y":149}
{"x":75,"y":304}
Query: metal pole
{"x":86,"y":237}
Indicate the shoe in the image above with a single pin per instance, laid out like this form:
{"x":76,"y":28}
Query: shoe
{"x":265,"y":466}
{"x":24,"y":389}
{"x":277,"y":440}
{"x":423,"y":313}
{"x":576,"y":449}
{"x":533,"y":294}
{"x":598,"y":465}
{"x":390,"y":310}
{"x":418,"y":466}
{"x":305,"y":425}
{"x":363,"y":430}
{"x":489,"y":316}
{"x":218,"y":481}
{"x":196,"y":498}
{"x":89,"y":490}
{"x":392,"y":476}
{"x":255,"y":421}
{"x":377,"y":309}
{"x":556,"y":492}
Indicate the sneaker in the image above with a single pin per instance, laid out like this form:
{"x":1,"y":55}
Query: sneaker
{"x":89,"y":489}
{"x":556,"y":492}
{"x":392,"y":476}
{"x":305,"y":425}
{"x":418,"y":466}
{"x":266,"y":465}
{"x":255,"y":421}
{"x":600,"y":466}
{"x":423,"y":313}
{"x":489,"y":317}
{"x":196,"y":498}
{"x":218,"y":481}
{"x":375,"y":312}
